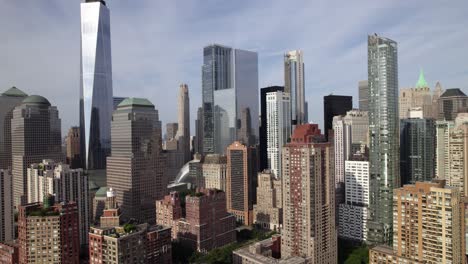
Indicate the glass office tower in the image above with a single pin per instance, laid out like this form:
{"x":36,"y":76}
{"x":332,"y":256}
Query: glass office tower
{"x":295,"y":85}
{"x":96,"y":102}
{"x":230,"y":85}
{"x":383,"y":136}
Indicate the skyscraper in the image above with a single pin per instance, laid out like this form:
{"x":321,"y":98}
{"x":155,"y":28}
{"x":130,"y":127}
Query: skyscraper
{"x":334,"y":105}
{"x":419,"y":96}
{"x":36,"y":135}
{"x":183,"y":131}
{"x":263,"y":153}
{"x":7,"y":230}
{"x":241,"y":181}
{"x":342,"y":147}
{"x":96,"y":101}
{"x":452,"y":102}
{"x":294,"y":84}
{"x":309,"y":228}
{"x":244,"y":134}
{"x":8,"y":101}
{"x":73,"y":148}
{"x":383,"y":135}
{"x":363,"y":87}
{"x":229,"y":85}
{"x":198,"y":148}
{"x":278,"y":128}
{"x":135,"y":170}
{"x":417,"y":148}
{"x":359,"y":122}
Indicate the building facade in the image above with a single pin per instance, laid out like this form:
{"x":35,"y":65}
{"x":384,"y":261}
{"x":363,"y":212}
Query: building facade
{"x":452,"y":102}
{"x":96,"y":101}
{"x":334,"y":105}
{"x":168,"y":212}
{"x":214,"y":170}
{"x":241,"y":181}
{"x":7,"y":230}
{"x":183,"y":131}
{"x":73,"y":157}
{"x":9,"y":252}
{"x":420,"y":96}
{"x":278,"y":128}
{"x":359,"y":122}
{"x":268,"y":211}
{"x":363,"y":90}
{"x":309,"y":228}
{"x":294,"y":85}
{"x":383,"y":131}
{"x":136,"y":168}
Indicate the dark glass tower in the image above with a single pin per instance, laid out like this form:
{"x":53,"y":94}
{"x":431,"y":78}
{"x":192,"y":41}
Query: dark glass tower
{"x":334,"y":105}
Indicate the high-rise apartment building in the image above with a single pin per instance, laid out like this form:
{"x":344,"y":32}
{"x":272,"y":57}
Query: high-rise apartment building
{"x":51,"y":178}
{"x":7,"y":230}
{"x":8,"y":101}
{"x":363,"y":89}
{"x":263,"y":152}
{"x":309,"y":228}
{"x":268,"y":211}
{"x":342,"y":147}
{"x":214,"y":170}
{"x":452,"y":102}
{"x":35,"y":135}
{"x":183,"y":131}
{"x":73,"y":157}
{"x":334,"y":105}
{"x":96,"y":100}
{"x":48,"y":233}
{"x":294,"y":85}
{"x":444,"y":129}
{"x":417,"y":148}
{"x":229,"y":85}
{"x":418,"y":97}
{"x":241,"y":181}
{"x":136,"y":168}
{"x":428,"y":226}
{"x":384,"y":155}
{"x":278,"y":128}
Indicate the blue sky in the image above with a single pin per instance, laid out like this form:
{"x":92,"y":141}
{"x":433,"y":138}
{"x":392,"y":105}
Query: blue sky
{"x":158,"y":44}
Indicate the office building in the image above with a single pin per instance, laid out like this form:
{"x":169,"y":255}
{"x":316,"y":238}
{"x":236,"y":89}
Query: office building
{"x":309,"y":228}
{"x":171,"y":131}
{"x":452,"y":102}
{"x":229,"y":85}
{"x":241,"y":181}
{"x":418,"y":97}
{"x":73,"y":156}
{"x":438,"y":91}
{"x":56,"y":232}
{"x":49,"y":177}
{"x":169,"y":211}
{"x":263,"y":152}
{"x":7,"y":230}
{"x":294,"y":85}
{"x":207,"y":224}
{"x":198,"y":146}
{"x":8,"y":101}
{"x":9,"y":252}
{"x":334,"y":105}
{"x":214,"y":169}
{"x":136,"y":168}
{"x":36,"y":135}
{"x":244,"y":133}
{"x":268,"y":211}
{"x":417,"y":148}
{"x":116,"y":101}
{"x":278,"y":128}
{"x":96,"y":100}
{"x":359,"y":122}
{"x":183,"y":130}
{"x":384,"y":131}
{"x":363,"y":87}
{"x":428,"y":226}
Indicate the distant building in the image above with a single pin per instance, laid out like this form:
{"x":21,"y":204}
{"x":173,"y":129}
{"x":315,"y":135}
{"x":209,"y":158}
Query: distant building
{"x":36,"y":134}
{"x":452,"y":102}
{"x":294,"y":85}
{"x":117,"y":101}
{"x":268,"y":211}
{"x":309,"y":228}
{"x":56,"y":232}
{"x":183,"y":131}
{"x":135,"y":170}
{"x":198,"y":146}
{"x":99,"y":204}
{"x":9,"y":252}
{"x":241,"y":181}
{"x":428,"y":226}
{"x":7,"y":230}
{"x":363,"y":87}
{"x":169,"y":211}
{"x":214,"y":169}
{"x":73,"y":157}
{"x":8,"y":101}
{"x":418,"y":97}
{"x":51,"y":178}
{"x":334,"y":105}
{"x":244,"y":133}
{"x":171,"y":130}
{"x":358,"y":120}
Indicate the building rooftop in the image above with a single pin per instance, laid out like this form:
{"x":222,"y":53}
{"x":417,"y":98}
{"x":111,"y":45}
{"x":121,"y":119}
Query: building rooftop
{"x":132,"y":101}
{"x":14,"y":92}
{"x":36,"y":99}
{"x":453,"y":92}
{"x":422,"y":81}
{"x":101,"y":192}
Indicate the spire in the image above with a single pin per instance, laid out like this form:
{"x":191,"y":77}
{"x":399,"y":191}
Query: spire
{"x":422,"y":81}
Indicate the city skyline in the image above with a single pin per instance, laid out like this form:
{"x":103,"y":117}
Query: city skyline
{"x":137,"y":70}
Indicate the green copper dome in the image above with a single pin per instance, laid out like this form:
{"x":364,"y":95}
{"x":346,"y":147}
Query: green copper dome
{"x":131,"y":101}
{"x":15,"y":92}
{"x":422,"y":81}
{"x":36,"y":99}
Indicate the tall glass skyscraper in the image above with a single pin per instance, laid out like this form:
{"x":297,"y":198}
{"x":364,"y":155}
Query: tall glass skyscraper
{"x":96,"y":102}
{"x":294,"y":85}
{"x":383,"y":136}
{"x":230,"y":85}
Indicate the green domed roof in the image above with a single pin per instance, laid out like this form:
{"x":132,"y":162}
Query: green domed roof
{"x":36,"y":99}
{"x":13,"y":91}
{"x":131,"y":101}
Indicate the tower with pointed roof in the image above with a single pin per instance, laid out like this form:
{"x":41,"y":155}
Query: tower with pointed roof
{"x":419,"y":96}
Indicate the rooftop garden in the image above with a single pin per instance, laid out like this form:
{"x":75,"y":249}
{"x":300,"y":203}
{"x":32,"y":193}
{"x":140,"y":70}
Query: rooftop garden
{"x":42,"y":212}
